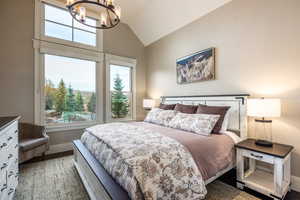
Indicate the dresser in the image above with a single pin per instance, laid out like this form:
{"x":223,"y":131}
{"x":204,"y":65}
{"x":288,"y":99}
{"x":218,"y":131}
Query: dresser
{"x":9,"y":171}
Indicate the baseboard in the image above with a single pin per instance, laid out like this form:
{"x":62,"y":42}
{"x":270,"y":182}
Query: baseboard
{"x":58,"y":148}
{"x":295,"y":183}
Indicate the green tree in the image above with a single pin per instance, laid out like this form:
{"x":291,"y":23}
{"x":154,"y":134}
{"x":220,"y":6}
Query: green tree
{"x":79,"y":102}
{"x":92,"y":104}
{"x":70,"y":103}
{"x":60,"y":95}
{"x":50,"y":94}
{"x":119,"y":101}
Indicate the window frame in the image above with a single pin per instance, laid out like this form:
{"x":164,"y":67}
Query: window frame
{"x":58,"y":47}
{"x":126,"y":62}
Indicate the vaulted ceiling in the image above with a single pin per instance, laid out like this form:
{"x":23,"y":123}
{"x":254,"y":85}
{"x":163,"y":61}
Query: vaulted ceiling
{"x":154,"y":19}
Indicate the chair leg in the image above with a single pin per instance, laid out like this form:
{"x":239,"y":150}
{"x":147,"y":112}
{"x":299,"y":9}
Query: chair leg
{"x":44,"y":156}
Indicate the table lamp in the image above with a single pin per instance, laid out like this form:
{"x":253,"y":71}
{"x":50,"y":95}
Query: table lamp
{"x":148,"y":104}
{"x":264,"y":108}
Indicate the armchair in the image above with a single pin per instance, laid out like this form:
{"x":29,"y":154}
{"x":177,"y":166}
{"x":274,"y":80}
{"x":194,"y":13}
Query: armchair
{"x":33,"y":141}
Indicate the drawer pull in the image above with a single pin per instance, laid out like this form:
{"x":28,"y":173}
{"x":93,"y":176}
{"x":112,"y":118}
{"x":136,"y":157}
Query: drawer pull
{"x":16,"y":146}
{"x":3,"y":145}
{"x":256,"y":156}
{"x":10,"y":174}
{"x":16,"y":131}
{"x":4,"y":165}
{"x":11,"y":190}
{"x":10,"y":156}
{"x":3,"y":188}
{"x":9,"y":138}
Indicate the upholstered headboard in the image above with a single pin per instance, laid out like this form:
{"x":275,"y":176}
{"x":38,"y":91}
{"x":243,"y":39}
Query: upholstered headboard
{"x":237,"y":111}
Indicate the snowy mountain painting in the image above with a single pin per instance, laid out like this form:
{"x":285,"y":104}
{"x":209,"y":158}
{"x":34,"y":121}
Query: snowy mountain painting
{"x":199,"y":66}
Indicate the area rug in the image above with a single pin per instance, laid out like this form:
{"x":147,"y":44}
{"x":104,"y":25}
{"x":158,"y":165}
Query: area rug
{"x":57,"y":179}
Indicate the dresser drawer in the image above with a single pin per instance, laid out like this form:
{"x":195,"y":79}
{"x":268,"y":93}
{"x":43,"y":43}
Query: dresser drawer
{"x":12,"y":155}
{"x":3,"y":158}
{"x":8,"y":157}
{"x":8,"y":140}
{"x":3,"y":178}
{"x":3,"y":185}
{"x":258,"y":156}
{"x":3,"y":191}
{"x":11,"y":188}
{"x":11,"y":137}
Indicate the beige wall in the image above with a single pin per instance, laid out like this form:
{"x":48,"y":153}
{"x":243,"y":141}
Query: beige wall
{"x":16,"y":58}
{"x":17,"y":69}
{"x":257,"y":51}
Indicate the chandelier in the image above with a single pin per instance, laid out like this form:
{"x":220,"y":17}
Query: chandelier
{"x":108,"y":12}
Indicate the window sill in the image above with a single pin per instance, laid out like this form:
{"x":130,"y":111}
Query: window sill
{"x":70,"y":127}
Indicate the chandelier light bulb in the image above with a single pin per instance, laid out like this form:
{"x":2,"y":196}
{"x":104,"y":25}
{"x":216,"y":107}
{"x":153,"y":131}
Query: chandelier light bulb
{"x":82,"y":14}
{"x":70,"y":2}
{"x":110,"y":3}
{"x":118,"y":11}
{"x":103,"y":20}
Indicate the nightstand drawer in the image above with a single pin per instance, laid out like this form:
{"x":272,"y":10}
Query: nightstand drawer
{"x":258,"y":156}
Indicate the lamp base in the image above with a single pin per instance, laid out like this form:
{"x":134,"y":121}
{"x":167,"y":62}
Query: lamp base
{"x":264,"y":143}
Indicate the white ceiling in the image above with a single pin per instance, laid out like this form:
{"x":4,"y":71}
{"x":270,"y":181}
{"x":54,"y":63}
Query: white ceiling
{"x":154,"y":19}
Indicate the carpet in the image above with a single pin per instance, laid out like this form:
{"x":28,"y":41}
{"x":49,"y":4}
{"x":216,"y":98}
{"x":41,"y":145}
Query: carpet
{"x":57,"y":179}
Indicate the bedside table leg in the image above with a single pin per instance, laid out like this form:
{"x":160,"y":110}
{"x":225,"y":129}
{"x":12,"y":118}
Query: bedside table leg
{"x":240,"y":169}
{"x":240,"y":186}
{"x":278,"y":177}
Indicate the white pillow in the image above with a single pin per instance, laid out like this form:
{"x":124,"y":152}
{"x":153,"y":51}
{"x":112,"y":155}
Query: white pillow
{"x":160,"y":116}
{"x":225,"y":122}
{"x":201,"y":124}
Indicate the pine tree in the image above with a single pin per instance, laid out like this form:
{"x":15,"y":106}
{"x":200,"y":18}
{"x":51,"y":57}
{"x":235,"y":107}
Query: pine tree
{"x":119,"y":101}
{"x":92,"y":104}
{"x":50,"y":94}
{"x":79,"y":102}
{"x":70,"y":103}
{"x":60,"y":97}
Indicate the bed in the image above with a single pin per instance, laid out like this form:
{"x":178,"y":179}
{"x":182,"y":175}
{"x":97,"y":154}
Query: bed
{"x":99,"y":182}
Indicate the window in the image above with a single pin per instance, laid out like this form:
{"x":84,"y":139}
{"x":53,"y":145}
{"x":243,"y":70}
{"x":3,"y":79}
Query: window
{"x":58,"y":23}
{"x":68,"y":69}
{"x":120,"y":91}
{"x":70,"y":90}
{"x":120,"y":88}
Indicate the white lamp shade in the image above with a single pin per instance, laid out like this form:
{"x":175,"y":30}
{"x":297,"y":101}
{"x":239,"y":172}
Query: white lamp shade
{"x":264,"y":107}
{"x":148,"y":103}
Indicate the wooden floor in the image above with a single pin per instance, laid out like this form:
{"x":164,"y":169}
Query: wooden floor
{"x":228,"y":178}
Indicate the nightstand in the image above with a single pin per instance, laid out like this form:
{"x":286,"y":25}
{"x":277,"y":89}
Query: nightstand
{"x":273,"y":183}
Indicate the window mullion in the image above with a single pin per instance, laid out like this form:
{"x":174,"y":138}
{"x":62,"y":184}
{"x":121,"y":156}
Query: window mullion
{"x":73,"y":30}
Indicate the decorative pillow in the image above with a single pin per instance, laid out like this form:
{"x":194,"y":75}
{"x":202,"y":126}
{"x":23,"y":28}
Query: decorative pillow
{"x":225,"y":122}
{"x":189,"y":109}
{"x":167,"y":106}
{"x":201,"y":124}
{"x":160,"y":116}
{"x":215,"y":110}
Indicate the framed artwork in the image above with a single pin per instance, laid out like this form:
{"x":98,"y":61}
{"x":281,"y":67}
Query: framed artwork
{"x":199,"y":66}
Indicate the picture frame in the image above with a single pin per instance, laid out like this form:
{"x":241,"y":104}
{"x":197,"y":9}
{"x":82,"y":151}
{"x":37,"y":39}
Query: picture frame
{"x":199,"y":66}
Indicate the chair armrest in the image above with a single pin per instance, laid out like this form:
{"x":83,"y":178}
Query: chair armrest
{"x":44,"y":134}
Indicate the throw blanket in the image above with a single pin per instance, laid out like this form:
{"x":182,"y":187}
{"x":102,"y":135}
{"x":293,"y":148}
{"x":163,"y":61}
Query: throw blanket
{"x":147,"y":164}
